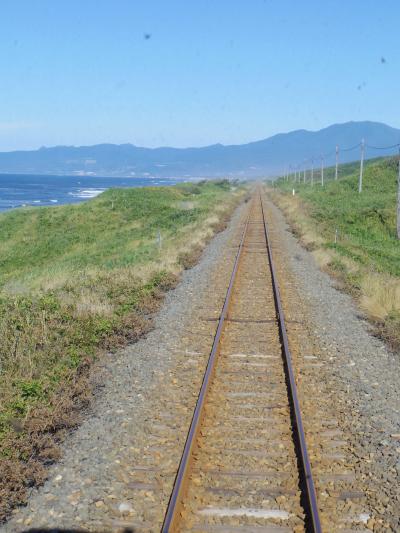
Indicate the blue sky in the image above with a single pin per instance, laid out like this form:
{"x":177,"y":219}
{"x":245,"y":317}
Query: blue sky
{"x":230,"y":71}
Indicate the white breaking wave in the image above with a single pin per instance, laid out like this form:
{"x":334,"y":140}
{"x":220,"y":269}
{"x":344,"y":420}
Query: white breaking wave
{"x":87,"y":193}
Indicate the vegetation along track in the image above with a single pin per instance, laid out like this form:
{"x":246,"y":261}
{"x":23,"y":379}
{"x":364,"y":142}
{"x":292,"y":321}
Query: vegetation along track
{"x":246,"y":447}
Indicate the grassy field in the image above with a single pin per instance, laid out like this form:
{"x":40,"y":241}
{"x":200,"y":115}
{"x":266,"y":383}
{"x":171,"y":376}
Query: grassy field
{"x":366,"y":256}
{"x":77,"y":280}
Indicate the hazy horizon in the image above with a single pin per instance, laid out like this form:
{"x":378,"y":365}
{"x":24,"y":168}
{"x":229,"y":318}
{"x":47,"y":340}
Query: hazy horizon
{"x":105,"y":142}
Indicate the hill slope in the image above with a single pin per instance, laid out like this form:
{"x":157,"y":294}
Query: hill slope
{"x":260,"y":158}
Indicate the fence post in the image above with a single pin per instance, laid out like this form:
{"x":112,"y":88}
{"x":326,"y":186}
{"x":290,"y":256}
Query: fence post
{"x":360,"y":180}
{"x":322,"y":171}
{"x":337,"y":162}
{"x":312,"y":172}
{"x":398,"y":200}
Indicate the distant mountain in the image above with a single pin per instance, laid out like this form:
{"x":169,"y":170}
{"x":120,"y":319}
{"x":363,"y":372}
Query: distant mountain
{"x":261,"y":158}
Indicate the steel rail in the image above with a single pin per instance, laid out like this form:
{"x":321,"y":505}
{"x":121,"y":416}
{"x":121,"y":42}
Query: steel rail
{"x":174,"y":504}
{"x":311,"y":497}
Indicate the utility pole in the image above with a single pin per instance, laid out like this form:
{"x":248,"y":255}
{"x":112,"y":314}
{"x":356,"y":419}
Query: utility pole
{"x":398,"y":200}
{"x":322,"y":171}
{"x":304,"y":174}
{"x":337,"y":162}
{"x":312,"y":172}
{"x":360,"y":180}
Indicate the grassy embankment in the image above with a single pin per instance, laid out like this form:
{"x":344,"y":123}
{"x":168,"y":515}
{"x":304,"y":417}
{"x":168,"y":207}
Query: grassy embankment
{"x":77,"y":280}
{"x":366,"y":257}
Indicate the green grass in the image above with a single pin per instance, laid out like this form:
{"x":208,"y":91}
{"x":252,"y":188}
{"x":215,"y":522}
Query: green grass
{"x":366,"y":222}
{"x":77,"y":279}
{"x":43,"y":241}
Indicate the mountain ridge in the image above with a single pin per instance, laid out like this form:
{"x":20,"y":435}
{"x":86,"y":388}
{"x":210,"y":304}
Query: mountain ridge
{"x":264,"y":157}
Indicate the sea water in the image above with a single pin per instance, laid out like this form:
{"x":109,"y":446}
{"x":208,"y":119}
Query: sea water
{"x":20,"y":190}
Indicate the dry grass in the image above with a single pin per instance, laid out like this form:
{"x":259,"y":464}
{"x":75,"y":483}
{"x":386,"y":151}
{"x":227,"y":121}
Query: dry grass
{"x":322,"y":257}
{"x":87,"y":304}
{"x":380,"y":295}
{"x":303,"y":226}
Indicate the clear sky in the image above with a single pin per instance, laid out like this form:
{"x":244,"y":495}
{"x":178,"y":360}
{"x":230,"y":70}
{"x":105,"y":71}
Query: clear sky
{"x":192,"y":72}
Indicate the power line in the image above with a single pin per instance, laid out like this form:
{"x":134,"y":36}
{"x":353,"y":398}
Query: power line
{"x":351,"y":148}
{"x":329,"y":154}
{"x":382,"y":147}
{"x":348,"y":149}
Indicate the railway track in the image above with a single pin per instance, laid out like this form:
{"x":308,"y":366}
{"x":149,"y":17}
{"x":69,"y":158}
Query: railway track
{"x":245,"y":465}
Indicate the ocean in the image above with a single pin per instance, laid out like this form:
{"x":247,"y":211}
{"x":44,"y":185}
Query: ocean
{"x":19,"y":190}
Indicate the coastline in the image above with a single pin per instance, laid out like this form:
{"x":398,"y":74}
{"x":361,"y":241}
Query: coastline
{"x":33,"y":190}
